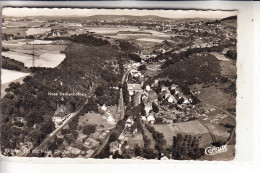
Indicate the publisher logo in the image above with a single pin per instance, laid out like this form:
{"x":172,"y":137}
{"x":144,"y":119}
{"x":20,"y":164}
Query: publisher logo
{"x":215,"y":150}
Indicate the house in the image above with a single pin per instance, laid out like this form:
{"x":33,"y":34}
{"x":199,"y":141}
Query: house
{"x":144,"y":97}
{"x":186,"y":100}
{"x":151,"y":119}
{"x":73,"y":150}
{"x":143,"y":118}
{"x":171,"y":99}
{"x":129,"y":122}
{"x":110,"y":119}
{"x":173,"y":86}
{"x":115,"y":146}
{"x":165,"y":157}
{"x":148,"y":107}
{"x":134,"y":87}
{"x":153,"y":97}
{"x":131,"y":92}
{"x":180,"y":95}
{"x":167,"y":94}
{"x":59,"y":119}
{"x":177,"y":91}
{"x":104,"y":108}
{"x":91,"y":143}
{"x":148,"y":88}
{"x":164,"y":89}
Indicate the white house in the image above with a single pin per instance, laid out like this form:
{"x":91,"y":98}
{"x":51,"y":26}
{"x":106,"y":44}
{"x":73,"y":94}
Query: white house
{"x":131,"y":92}
{"x":172,"y":99}
{"x":129,"y":122}
{"x":115,"y":146}
{"x":148,"y":88}
{"x":164,"y":88}
{"x":59,"y":119}
{"x":104,"y":108}
{"x":143,"y":118}
{"x":151,"y":119}
{"x":173,"y":87}
{"x":148,"y":107}
{"x":110,"y":119}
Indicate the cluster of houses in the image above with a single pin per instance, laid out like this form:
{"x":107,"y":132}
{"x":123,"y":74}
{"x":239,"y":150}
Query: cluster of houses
{"x":59,"y":119}
{"x":107,"y":114}
{"x":173,"y":94}
{"x":129,"y":135}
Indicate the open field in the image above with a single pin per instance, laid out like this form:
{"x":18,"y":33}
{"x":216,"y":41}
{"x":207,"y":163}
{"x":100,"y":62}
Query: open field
{"x":216,"y":97}
{"x":11,"y":75}
{"x":219,"y":131}
{"x":150,"y":40}
{"x":94,"y":118}
{"x":228,"y":68}
{"x":15,"y":31}
{"x":6,"y":85}
{"x":190,"y":127}
{"x":34,"y":31}
{"x":43,"y":60}
{"x":167,"y":131}
{"x":135,"y":139}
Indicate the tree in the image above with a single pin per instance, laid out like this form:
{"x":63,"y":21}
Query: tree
{"x":65,"y":131}
{"x":232,"y":54}
{"x":89,"y":129}
{"x":159,"y":120}
{"x":138,"y":150}
{"x":59,"y":141}
{"x":142,"y":67}
{"x":53,"y":146}
{"x":155,"y":107}
{"x":47,"y":127}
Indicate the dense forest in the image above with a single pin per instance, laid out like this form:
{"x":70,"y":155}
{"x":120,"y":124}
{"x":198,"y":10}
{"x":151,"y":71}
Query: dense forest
{"x":85,"y":68}
{"x":195,"y":69}
{"x":11,"y":64}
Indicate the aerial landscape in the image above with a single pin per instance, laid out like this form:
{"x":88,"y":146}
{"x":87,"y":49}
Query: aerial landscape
{"x":118,"y":84}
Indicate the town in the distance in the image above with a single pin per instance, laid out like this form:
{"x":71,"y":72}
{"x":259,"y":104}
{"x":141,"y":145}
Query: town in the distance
{"x":119,"y":87}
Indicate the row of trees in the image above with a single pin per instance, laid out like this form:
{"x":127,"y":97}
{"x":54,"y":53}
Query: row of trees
{"x":158,"y":137}
{"x":186,"y":147}
{"x":11,"y":64}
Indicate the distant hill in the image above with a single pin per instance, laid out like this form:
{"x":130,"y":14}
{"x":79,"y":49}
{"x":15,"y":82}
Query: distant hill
{"x":101,"y":17}
{"x":125,"y":17}
{"x":229,"y":18}
{"x":230,"y":21}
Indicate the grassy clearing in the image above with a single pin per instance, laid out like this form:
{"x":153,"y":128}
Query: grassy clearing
{"x":216,"y":97}
{"x":94,"y":118}
{"x":228,"y":68}
{"x":167,"y":131}
{"x":15,"y":31}
{"x":219,"y":131}
{"x":11,"y":75}
{"x":190,"y":127}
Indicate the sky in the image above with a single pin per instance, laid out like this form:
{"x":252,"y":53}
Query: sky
{"x":23,"y":12}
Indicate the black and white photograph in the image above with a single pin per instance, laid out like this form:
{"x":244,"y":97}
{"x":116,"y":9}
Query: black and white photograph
{"x":138,"y":84}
